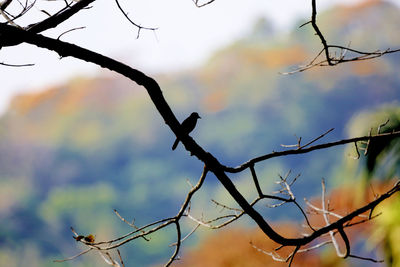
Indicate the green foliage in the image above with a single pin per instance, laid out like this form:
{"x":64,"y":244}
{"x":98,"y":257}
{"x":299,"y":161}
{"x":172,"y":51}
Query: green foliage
{"x":383,"y":157}
{"x":382,"y":163}
{"x":85,"y":205}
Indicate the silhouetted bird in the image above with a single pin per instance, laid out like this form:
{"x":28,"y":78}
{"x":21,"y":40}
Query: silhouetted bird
{"x":187,"y":126}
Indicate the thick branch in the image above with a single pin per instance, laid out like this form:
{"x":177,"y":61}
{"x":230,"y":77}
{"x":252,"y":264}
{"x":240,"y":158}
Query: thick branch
{"x":60,"y":17}
{"x":318,"y":32}
{"x":50,"y":22}
{"x":5,"y":4}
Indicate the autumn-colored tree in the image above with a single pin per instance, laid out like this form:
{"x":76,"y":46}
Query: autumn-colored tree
{"x":248,"y":247}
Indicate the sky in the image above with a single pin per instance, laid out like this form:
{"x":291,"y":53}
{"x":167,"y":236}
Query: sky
{"x":185,"y":37}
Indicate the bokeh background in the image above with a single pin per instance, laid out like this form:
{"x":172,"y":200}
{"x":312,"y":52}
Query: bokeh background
{"x":73,"y":150}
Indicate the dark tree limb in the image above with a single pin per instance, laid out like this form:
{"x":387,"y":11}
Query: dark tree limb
{"x":5,"y":4}
{"x":318,"y":32}
{"x":59,"y":17}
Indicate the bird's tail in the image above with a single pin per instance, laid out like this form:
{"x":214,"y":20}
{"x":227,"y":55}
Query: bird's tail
{"x":175,"y":144}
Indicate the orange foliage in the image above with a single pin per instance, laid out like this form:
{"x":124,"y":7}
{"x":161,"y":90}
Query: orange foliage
{"x":65,"y":99}
{"x":215,"y":101}
{"x":231,"y":247}
{"x":71,"y":100}
{"x":346,"y":199}
{"x":24,"y":103}
{"x":347,"y":12}
{"x":276,"y":57}
{"x":74,"y":97}
{"x":366,"y":68}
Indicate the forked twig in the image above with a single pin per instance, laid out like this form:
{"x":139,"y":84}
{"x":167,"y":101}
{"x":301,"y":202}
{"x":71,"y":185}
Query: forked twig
{"x":333,"y":60}
{"x":138,"y":26}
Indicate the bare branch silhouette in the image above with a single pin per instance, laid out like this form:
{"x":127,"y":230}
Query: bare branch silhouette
{"x":205,"y":3}
{"x":329,"y":59}
{"x":138,"y":26}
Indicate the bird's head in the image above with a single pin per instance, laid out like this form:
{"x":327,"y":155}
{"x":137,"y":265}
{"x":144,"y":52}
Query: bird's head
{"x":195,"y":115}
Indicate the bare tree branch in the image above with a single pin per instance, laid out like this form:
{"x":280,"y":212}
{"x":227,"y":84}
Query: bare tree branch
{"x":330,"y":60}
{"x":4,"y":4}
{"x":309,"y":149}
{"x":196,"y":2}
{"x":17,"y":65}
{"x":139,"y":27}
{"x":59,"y":17}
{"x":76,"y":256}
{"x":318,"y":32}
{"x":331,"y":233}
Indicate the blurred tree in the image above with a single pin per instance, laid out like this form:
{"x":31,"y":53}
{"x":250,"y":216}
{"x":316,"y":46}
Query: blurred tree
{"x":379,"y":162}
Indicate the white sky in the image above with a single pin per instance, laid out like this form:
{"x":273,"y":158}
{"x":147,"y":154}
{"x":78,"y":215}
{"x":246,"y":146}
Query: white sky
{"x":186,"y":36}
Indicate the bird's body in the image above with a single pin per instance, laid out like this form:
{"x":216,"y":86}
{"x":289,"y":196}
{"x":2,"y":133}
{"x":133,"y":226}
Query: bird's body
{"x":187,"y":126}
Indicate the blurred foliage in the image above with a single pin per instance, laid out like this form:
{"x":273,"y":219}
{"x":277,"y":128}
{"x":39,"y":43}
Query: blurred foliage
{"x":381,"y":163}
{"x":86,"y":205}
{"x":73,"y":152}
{"x":387,"y":232}
{"x":383,"y":157}
{"x":231,"y":247}
{"x":235,"y":246}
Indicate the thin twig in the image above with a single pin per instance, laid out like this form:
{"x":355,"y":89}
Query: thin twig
{"x":316,"y":139}
{"x":187,"y":236}
{"x":309,"y":149}
{"x":132,"y":22}
{"x":17,"y":65}
{"x":196,"y":2}
{"x":366,"y":258}
{"x":340,"y":227}
{"x":293,"y":254}
{"x":120,"y":258}
{"x":74,"y":29}
{"x":178,"y":245}
{"x":225,"y":207}
{"x":76,"y":256}
{"x":130,"y":224}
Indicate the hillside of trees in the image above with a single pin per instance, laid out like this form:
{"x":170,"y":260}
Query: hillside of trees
{"x":74,"y":152}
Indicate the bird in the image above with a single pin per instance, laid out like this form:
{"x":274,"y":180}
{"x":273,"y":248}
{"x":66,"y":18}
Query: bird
{"x":187,"y":126}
